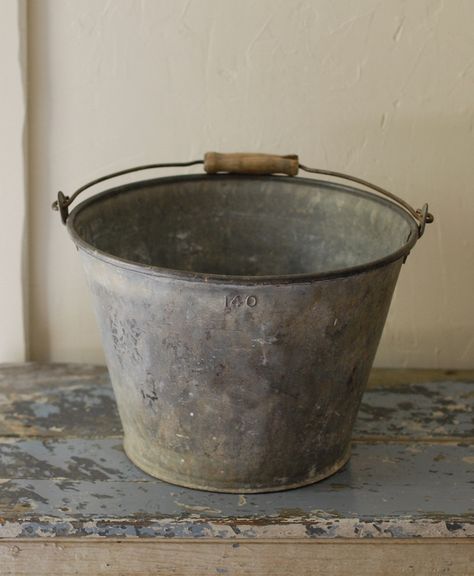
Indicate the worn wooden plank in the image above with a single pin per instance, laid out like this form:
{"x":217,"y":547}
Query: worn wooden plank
{"x":61,"y":400}
{"x":395,"y":377}
{"x":277,"y":558}
{"x":89,"y":487}
{"x":104,"y":459}
{"x":415,"y":411}
{"x":57,"y":400}
{"x":63,"y":471}
{"x":33,"y":375}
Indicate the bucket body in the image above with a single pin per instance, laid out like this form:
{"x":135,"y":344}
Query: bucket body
{"x":240,"y":317}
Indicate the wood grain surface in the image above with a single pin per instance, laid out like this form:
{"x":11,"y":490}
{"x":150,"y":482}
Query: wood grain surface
{"x":279,"y":558}
{"x":247,"y":163}
{"x":72,"y":502}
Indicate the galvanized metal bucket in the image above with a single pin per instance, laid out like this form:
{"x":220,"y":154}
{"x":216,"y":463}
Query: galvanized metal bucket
{"x":240,"y":314}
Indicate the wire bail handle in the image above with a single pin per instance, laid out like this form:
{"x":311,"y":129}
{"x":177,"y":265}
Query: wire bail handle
{"x":248,"y":163}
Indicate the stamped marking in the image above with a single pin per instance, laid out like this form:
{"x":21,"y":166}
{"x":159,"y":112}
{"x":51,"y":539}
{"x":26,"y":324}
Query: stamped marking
{"x":238,"y":301}
{"x":251,"y":301}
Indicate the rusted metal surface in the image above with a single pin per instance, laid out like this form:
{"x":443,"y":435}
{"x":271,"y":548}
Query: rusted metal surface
{"x":401,"y":482}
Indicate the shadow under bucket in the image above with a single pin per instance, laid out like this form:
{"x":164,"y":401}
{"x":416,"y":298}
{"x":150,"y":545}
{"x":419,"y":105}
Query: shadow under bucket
{"x":240,"y":315}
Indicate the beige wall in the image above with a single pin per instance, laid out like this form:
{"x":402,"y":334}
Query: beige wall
{"x":13,"y":265}
{"x":383,"y":90}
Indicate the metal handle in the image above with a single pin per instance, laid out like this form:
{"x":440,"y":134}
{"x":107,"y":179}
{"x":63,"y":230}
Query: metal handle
{"x":421,"y":215}
{"x":63,"y":202}
{"x":250,"y":164}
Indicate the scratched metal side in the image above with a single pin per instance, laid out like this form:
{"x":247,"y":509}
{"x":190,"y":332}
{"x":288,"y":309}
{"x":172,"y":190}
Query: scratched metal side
{"x":240,"y":316}
{"x":238,"y":387}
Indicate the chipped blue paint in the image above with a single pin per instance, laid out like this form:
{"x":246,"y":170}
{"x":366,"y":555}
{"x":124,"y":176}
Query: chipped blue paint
{"x":402,"y":527}
{"x":86,"y":407}
{"x":387,"y":480}
{"x":430,"y":410}
{"x":78,"y":459}
{"x":73,"y":478}
{"x":43,"y":410}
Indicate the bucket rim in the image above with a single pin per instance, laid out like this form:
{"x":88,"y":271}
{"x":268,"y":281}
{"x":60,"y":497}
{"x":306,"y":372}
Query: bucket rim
{"x":235,"y":279}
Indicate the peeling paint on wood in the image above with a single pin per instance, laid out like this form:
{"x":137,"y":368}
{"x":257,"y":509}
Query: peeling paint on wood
{"x":57,"y":400}
{"x":76,"y":400}
{"x":444,"y":409}
{"x":71,"y":478}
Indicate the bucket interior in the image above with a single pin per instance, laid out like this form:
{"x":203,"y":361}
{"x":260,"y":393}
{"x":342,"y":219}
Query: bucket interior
{"x":242,"y":226}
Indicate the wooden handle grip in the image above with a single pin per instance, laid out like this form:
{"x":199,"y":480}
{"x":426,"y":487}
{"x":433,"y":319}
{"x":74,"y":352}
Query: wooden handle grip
{"x":250,"y":163}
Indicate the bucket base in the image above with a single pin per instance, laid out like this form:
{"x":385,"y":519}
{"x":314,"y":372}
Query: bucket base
{"x":185,"y":483}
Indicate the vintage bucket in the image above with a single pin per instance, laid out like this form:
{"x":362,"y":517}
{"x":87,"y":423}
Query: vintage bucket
{"x":240,"y":313}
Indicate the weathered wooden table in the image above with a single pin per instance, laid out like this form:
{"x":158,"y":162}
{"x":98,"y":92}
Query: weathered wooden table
{"x":72,"y":503}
